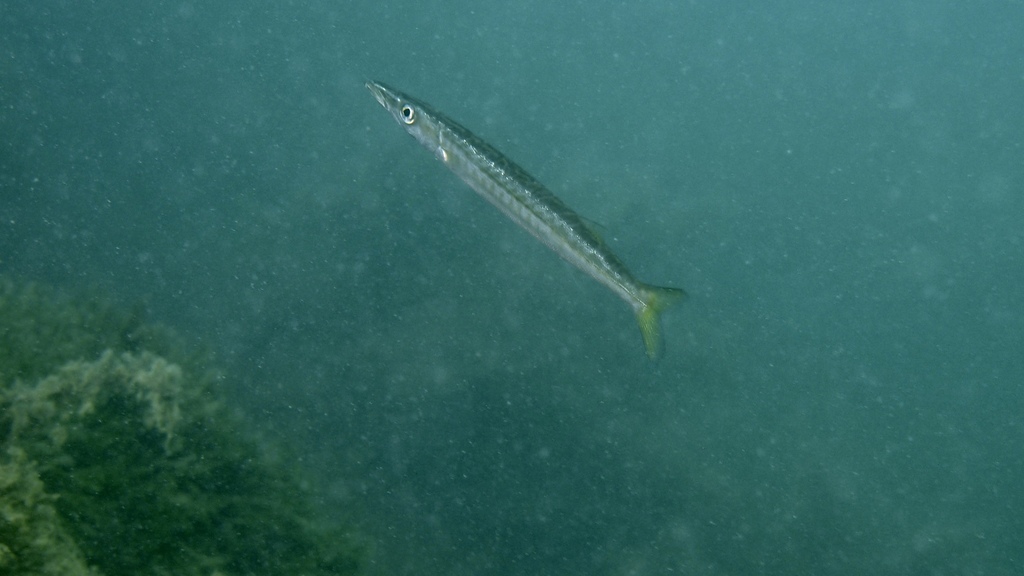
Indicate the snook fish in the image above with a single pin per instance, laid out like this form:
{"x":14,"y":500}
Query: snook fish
{"x":527,"y":202}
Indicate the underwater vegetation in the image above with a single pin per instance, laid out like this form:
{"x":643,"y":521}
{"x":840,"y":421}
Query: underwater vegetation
{"x":117,"y":457}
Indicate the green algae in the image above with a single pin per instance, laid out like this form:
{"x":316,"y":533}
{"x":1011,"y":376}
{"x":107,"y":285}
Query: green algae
{"x":120,"y":461}
{"x":33,"y":539}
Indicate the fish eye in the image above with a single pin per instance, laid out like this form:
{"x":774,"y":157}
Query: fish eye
{"x":408,"y":114}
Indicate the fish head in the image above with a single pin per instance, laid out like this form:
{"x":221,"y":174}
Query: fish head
{"x":419,"y":120}
{"x":399,"y":105}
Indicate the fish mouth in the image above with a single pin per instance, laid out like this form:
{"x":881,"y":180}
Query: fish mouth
{"x":380,"y":93}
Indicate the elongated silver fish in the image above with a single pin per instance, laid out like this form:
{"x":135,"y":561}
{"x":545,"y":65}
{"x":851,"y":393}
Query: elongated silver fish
{"x":526,"y":201}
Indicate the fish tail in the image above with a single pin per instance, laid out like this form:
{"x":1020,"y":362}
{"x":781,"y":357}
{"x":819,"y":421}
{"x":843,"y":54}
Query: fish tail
{"x":655,"y":299}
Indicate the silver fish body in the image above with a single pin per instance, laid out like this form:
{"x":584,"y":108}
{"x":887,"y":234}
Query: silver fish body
{"x":527,"y":202}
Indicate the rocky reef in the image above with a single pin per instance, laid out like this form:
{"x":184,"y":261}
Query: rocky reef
{"x":117,"y":456}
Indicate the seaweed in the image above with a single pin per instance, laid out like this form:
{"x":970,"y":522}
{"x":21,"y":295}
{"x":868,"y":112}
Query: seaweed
{"x":127,"y":463}
{"x":33,"y":539}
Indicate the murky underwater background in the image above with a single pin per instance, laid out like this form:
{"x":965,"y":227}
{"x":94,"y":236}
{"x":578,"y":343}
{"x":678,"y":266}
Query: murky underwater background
{"x":838,"y":187}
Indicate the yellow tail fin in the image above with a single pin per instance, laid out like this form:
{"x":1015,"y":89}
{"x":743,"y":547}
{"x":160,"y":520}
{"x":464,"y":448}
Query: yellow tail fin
{"x":656,"y":299}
